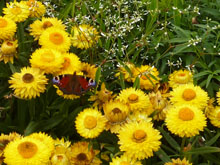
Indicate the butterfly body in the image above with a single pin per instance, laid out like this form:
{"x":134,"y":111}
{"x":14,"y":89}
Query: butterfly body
{"x":73,"y":84}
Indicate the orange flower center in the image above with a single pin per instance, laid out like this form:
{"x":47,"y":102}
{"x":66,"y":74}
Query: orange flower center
{"x":47,"y":24}
{"x":27,"y":149}
{"x":82,"y":157}
{"x":133,"y":98}
{"x":31,"y":3}
{"x":9,"y":43}
{"x":218,"y":115}
{"x":139,"y":136}
{"x":90,"y":122}
{"x":186,"y":114}
{"x":189,"y":94}
{"x":28,"y":78}
{"x":60,"y":157}
{"x":16,"y":10}
{"x":144,"y":77}
{"x":116,"y":110}
{"x":47,"y":56}
{"x":56,"y":38}
{"x":3,"y":23}
{"x":124,"y":163}
{"x":66,"y":63}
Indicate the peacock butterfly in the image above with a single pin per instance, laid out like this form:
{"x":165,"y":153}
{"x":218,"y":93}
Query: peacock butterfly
{"x":73,"y":84}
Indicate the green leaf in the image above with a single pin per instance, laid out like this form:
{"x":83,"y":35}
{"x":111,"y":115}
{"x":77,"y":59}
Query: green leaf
{"x":122,"y":82}
{"x":208,"y":80}
{"x":137,"y":83}
{"x":170,"y":139}
{"x":178,"y":40}
{"x":163,"y":156}
{"x":64,"y":13}
{"x":213,"y":140}
{"x":203,"y":73}
{"x":203,"y":150}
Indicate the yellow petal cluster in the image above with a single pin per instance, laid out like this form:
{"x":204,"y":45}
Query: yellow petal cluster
{"x":36,"y":8}
{"x":7,"y":28}
{"x":179,"y":162}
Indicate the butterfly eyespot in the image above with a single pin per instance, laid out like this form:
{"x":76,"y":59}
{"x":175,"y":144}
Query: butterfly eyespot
{"x":56,"y":79}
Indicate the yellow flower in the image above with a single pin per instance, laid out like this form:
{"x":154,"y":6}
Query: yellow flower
{"x":83,"y":154}
{"x":29,"y":83}
{"x":43,"y":137}
{"x":36,"y":8}
{"x":48,"y":60}
{"x":138,"y":117}
{"x":136,"y":99}
{"x":84,"y":36}
{"x":26,"y":151}
{"x":61,"y":153}
{"x":8,"y":51}
{"x":210,"y":107}
{"x":88,"y":70}
{"x":185,"y":120}
{"x":159,"y":104}
{"x":66,"y":96}
{"x":180,"y":77}
{"x":214,"y":116}
{"x":126,"y":74}
{"x":178,"y":162}
{"x":218,"y":97}
{"x":101,"y":97}
{"x":116,"y":112}
{"x":71,"y":64}
{"x":124,"y":160}
{"x":189,"y":94}
{"x":17,"y":11}
{"x":38,"y":27}
{"x":139,"y":140}
{"x":4,"y":140}
{"x":90,"y":123}
{"x":7,"y":28}
{"x":54,"y":38}
{"x":148,"y":76}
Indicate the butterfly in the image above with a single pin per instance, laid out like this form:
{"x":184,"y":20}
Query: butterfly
{"x":73,"y":84}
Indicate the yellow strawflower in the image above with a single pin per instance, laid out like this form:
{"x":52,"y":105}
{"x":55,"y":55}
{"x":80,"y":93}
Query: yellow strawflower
{"x":7,"y":28}
{"x":54,"y":38}
{"x":178,"y":162}
{"x":214,"y":116}
{"x":84,"y":36}
{"x":218,"y":97}
{"x":8,"y":51}
{"x":90,"y":123}
{"x":185,"y":120}
{"x":28,"y":83}
{"x":124,"y":160}
{"x":36,"y":8}
{"x":17,"y":11}
{"x":139,"y":140}
{"x":127,"y":76}
{"x":88,"y":70}
{"x":26,"y":151}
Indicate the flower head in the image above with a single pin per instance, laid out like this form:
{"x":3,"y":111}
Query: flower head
{"x":90,"y":123}
{"x":189,"y":94}
{"x":124,"y":70}
{"x":218,"y":97}
{"x":8,"y":50}
{"x":29,"y":83}
{"x":88,"y":70}
{"x":180,"y":77}
{"x":54,"y":38}
{"x":136,"y":99}
{"x":124,"y":160}
{"x":84,"y":36}
{"x":81,"y":153}
{"x":36,"y":8}
{"x":139,"y":140}
{"x":48,"y":60}
{"x":7,"y":28}
{"x":214,"y":116}
{"x":185,"y":120}
{"x":179,"y":162}
{"x":26,"y":151}
{"x":39,"y":26}
{"x":17,"y":11}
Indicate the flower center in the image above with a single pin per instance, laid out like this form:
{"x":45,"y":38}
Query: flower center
{"x":28,"y":78}
{"x":90,"y":122}
{"x":9,"y":44}
{"x":139,"y":136}
{"x":60,"y":157}
{"x":182,"y":78}
{"x":27,"y":149}
{"x":66,"y":63}
{"x":16,"y":10}
{"x":47,"y":24}
{"x":31,"y":3}
{"x":56,"y":38}
{"x":47,"y":56}
{"x":81,"y":157}
{"x":116,"y":110}
{"x":189,"y":94}
{"x":124,"y":163}
{"x":133,"y":98}
{"x":218,"y":116}
{"x":186,"y":114}
{"x":144,"y":77}
{"x":3,"y":23}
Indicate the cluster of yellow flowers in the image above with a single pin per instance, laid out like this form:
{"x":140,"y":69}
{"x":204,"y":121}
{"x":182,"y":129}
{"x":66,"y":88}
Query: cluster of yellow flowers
{"x":53,"y":57}
{"x":40,"y":148}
